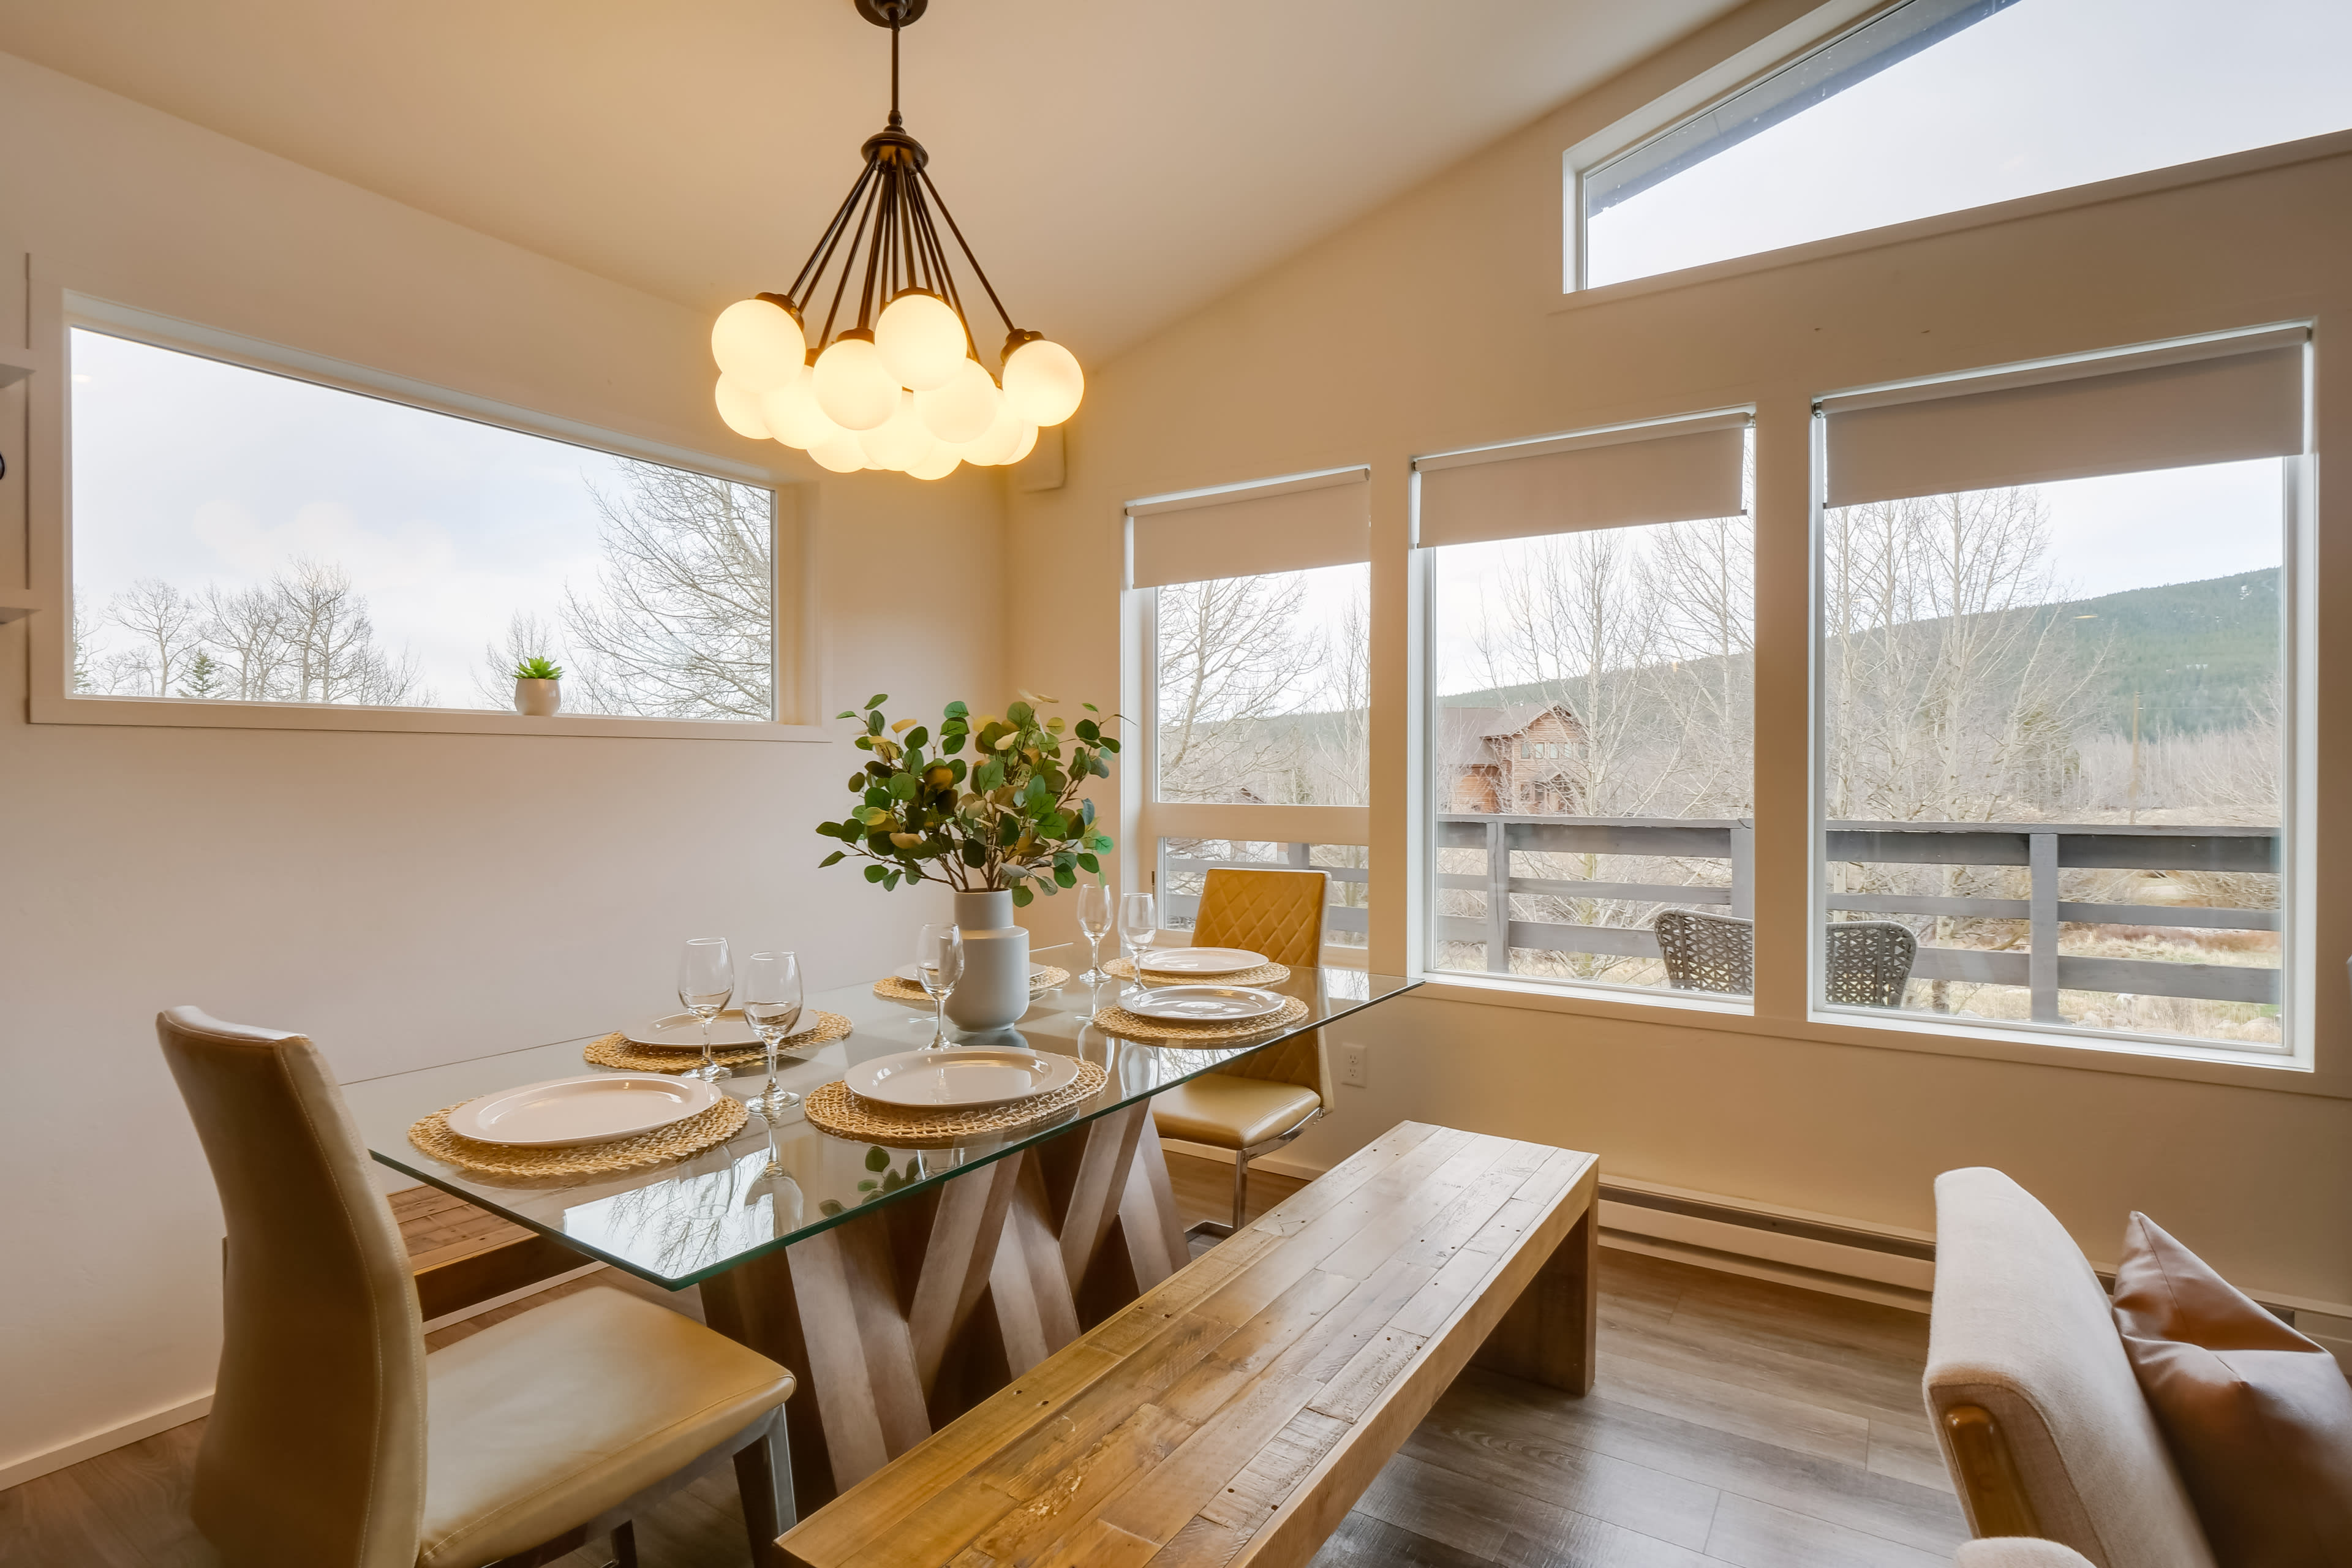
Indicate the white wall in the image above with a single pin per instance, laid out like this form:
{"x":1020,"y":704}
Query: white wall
{"x":1437,"y":321}
{"x":406,"y":899}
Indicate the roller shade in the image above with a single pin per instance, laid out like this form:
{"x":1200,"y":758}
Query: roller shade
{"x":1289,"y":525}
{"x":1616,"y":478}
{"x":2219,"y":402}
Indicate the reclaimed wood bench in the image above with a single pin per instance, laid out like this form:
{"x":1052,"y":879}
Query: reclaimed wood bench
{"x":1235,"y":1414}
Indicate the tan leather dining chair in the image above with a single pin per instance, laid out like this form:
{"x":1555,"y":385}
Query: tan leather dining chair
{"x":1262,"y":1101}
{"x":337,"y":1441}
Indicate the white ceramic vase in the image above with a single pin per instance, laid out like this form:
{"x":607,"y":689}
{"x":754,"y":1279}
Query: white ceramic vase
{"x":537,"y":699}
{"x":995,"y":990}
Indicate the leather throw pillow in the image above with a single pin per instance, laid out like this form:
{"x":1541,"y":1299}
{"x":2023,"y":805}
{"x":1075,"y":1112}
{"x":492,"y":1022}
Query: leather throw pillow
{"x":2259,"y":1418}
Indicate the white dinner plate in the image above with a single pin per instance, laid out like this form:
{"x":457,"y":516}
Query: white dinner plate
{"x":962,"y":1075}
{"x":597,"y":1109}
{"x":1205,"y":961}
{"x":679,"y":1032}
{"x":1203,"y":1004}
{"x":906,"y":971}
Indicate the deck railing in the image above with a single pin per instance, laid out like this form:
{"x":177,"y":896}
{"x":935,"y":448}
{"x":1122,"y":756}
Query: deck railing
{"x":2043,"y":849}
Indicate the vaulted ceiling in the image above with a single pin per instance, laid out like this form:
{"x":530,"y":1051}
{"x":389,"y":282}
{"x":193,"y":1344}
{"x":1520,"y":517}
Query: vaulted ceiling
{"x":1115,"y":164}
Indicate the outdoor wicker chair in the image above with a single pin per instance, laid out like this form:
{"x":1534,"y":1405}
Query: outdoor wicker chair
{"x":1869,"y":961}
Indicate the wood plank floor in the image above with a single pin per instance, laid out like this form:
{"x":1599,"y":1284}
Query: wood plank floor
{"x":1735,"y":1422}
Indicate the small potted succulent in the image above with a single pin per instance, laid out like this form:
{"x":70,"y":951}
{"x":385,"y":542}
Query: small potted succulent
{"x":537,"y":691}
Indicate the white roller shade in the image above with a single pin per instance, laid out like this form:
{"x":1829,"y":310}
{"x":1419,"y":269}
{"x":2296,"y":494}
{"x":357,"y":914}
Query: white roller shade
{"x":2218,"y":402}
{"x":1290,"y":525}
{"x":1615,"y":479}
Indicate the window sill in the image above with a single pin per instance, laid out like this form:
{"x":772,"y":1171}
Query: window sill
{"x":191,"y":715}
{"x":2280,"y":1073}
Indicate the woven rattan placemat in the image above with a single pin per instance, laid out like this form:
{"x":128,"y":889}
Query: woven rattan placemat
{"x":1134,"y":1026}
{"x":620,"y":1051}
{"x":833,"y":1109}
{"x":890,"y":988}
{"x":679,"y":1141}
{"x":1264,"y":974}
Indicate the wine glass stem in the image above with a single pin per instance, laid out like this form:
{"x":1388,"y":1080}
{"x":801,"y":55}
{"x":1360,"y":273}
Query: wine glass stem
{"x":939,"y":1020}
{"x":709,"y":1063}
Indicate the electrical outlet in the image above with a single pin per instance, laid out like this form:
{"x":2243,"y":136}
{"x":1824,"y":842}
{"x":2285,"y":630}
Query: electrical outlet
{"x":1355,"y":1065}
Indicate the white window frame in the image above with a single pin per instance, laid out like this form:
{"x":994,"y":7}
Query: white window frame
{"x":57,"y":308}
{"x":1145,"y":819}
{"x":2298,"y":892}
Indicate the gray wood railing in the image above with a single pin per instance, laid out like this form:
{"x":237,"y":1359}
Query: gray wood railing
{"x":2043,"y":849}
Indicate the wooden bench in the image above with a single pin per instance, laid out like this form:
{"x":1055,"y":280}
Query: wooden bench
{"x":1235,"y":1414}
{"x":462,"y":1255}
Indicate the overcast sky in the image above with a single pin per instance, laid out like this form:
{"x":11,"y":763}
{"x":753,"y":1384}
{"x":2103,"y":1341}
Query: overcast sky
{"x":199,"y":472}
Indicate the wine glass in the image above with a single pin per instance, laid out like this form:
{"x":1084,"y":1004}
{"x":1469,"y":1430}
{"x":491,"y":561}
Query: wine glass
{"x":706,"y":979}
{"x":771,"y":995}
{"x":1138,"y":927}
{"x":939,"y":965}
{"x":1094,"y":919}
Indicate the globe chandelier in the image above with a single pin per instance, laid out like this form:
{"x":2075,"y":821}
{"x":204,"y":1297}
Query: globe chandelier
{"x":893,"y":377}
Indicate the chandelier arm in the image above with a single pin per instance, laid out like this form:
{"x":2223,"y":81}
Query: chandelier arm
{"x":873,"y":257}
{"x":902,"y":230}
{"x":849,"y":260}
{"x":812,"y":269}
{"x":976,"y":270}
{"x":937,"y":259}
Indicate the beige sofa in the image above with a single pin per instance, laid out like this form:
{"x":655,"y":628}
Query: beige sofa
{"x":2041,"y":1419}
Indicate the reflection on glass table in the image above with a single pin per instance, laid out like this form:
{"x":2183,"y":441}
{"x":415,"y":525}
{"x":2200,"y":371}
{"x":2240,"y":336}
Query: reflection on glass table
{"x":681,"y":1223}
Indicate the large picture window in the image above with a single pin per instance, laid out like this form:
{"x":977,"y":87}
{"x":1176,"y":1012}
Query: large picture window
{"x":1591,"y":623}
{"x":1939,"y":105}
{"x":2054,"y":694}
{"x":239,"y":535}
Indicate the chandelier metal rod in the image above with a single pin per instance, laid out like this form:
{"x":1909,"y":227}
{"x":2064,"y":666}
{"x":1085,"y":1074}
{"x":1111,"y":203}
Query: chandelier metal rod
{"x":976,"y":270}
{"x":812,"y":269}
{"x":848,"y":261}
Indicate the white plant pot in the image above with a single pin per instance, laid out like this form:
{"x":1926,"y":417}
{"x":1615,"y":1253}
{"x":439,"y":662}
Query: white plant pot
{"x":539,"y":698}
{"x":995,"y":990}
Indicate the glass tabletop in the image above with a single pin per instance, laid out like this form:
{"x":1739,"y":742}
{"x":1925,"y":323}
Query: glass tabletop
{"x":683,"y":1222}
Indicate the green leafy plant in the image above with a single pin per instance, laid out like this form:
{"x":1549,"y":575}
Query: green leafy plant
{"x":884,"y":1182}
{"x":1007,"y":817}
{"x":537,"y":667}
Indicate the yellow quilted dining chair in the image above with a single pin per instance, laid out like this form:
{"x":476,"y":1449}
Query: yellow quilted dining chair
{"x":1265,"y":1100}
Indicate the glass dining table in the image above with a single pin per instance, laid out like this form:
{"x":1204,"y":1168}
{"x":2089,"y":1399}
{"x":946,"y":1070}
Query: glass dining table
{"x":901,"y":1284}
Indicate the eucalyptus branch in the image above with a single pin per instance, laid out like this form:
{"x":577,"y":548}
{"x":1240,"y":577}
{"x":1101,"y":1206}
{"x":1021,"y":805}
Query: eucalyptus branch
{"x":1010,"y":818}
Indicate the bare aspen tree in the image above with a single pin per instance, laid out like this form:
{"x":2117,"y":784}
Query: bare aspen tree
{"x":680,"y":625}
{"x":1231,"y":656}
{"x":166,"y":628}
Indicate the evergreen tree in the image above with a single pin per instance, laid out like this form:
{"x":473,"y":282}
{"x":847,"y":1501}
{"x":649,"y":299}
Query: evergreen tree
{"x":205,"y":680}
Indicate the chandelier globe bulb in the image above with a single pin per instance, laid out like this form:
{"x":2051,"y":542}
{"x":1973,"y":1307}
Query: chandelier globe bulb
{"x":854,"y":388}
{"x":759,"y":343}
{"x":903,"y":439}
{"x":963,"y":408}
{"x":841,"y":452}
{"x":921,"y":339}
{"x":1042,"y":379}
{"x":739,"y":407}
{"x":944,"y":460}
{"x":794,"y":416}
{"x":1026,"y":445}
{"x":994,"y":445}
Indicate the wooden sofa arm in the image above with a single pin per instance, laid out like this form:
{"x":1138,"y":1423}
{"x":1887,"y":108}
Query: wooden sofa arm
{"x":1988,"y":1473}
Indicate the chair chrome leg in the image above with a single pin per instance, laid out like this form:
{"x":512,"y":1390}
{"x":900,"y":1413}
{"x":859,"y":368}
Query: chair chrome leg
{"x":1241,"y":1187}
{"x":625,"y":1544}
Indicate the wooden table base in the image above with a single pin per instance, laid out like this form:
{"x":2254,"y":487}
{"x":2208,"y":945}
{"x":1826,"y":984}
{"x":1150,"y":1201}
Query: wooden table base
{"x":898,"y":1321}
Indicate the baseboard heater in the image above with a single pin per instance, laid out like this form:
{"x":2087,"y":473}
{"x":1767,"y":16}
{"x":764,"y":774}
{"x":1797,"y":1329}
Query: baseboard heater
{"x":1823,"y":1231}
